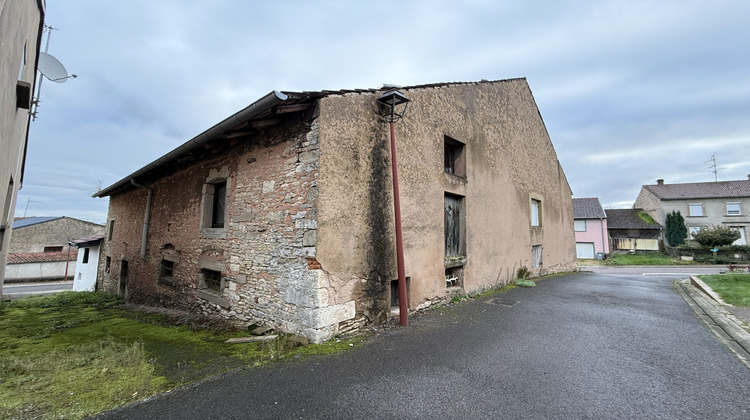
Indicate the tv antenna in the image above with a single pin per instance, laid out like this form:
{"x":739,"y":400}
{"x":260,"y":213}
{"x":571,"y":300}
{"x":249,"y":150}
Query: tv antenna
{"x":51,"y":68}
{"x":713,"y":168}
{"x":27,"y":205}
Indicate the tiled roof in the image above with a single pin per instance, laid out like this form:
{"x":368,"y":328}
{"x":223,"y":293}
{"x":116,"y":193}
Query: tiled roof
{"x":628,"y":219}
{"x":28,"y":221}
{"x":37,"y":257}
{"x":587,"y":208}
{"x":721,"y":189}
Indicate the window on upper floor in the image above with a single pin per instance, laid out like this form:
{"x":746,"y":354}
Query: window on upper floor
{"x":580,"y":225}
{"x":52,"y":249}
{"x":454,"y":157}
{"x":695,"y":209}
{"x":733,"y":209}
{"x":85,"y":259}
{"x":214,"y":210}
{"x":536,"y":212}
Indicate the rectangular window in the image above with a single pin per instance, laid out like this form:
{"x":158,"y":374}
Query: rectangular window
{"x":536,"y":256}
{"x":454,"y":225}
{"x":536,"y":210}
{"x":166,"y":272}
{"x":111,"y":229}
{"x":580,"y":225}
{"x":85,"y":256}
{"x":454,"y":276}
{"x":52,"y":249}
{"x":693,"y":230}
{"x":733,"y":209}
{"x":454,"y":157}
{"x":696,"y":210}
{"x":219,"y":205}
{"x":211,"y":280}
{"x":107,"y":264}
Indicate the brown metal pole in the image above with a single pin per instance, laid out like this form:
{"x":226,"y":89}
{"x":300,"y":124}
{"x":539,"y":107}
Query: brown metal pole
{"x":402,"y":305}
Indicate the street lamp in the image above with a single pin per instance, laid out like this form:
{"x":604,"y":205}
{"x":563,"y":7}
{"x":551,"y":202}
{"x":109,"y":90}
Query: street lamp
{"x":392,"y":106}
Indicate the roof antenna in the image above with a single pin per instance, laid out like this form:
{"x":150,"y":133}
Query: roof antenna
{"x":50,"y":68}
{"x":713,"y":168}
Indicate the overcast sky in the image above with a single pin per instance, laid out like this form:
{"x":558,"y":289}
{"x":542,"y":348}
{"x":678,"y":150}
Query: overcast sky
{"x":630,"y":91}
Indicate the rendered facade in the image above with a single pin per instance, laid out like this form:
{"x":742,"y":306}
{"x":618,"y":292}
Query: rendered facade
{"x":282,"y":214}
{"x":21,"y":24}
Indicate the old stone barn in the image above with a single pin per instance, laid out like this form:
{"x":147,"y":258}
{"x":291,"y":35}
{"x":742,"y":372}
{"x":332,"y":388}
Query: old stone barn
{"x":282,"y":214}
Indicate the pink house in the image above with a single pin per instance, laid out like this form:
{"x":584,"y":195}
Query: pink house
{"x":590,"y":228}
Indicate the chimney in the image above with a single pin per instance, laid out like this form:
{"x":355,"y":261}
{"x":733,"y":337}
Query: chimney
{"x":748,"y":177}
{"x":661,"y":181}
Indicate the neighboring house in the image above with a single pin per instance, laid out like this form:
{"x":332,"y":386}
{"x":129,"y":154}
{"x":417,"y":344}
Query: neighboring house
{"x":633,"y":230}
{"x":590,"y":225}
{"x":49,"y":234}
{"x":87,"y":263}
{"x":21,"y":25}
{"x":282,"y":214}
{"x":26,"y":267}
{"x":702,"y":204}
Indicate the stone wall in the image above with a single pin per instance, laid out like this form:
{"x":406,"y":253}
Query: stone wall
{"x":265,"y":253}
{"x":54,"y":233}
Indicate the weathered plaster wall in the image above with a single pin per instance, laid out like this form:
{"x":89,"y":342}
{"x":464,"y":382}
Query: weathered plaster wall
{"x":509,"y":159}
{"x":19,"y":32}
{"x":266,"y":253}
{"x":55,"y":233}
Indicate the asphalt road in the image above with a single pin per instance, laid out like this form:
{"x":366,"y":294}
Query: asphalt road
{"x":587,"y":345}
{"x":16,"y":290}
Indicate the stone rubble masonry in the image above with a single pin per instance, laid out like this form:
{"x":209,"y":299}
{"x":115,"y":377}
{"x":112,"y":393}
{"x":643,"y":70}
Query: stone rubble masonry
{"x":262,"y":253}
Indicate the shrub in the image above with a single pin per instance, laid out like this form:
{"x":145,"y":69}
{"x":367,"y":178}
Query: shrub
{"x":676,"y":230}
{"x":716,"y":236}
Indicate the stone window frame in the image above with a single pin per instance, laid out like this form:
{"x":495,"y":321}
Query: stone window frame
{"x":208,"y":203}
{"x":696,"y":206}
{"x":167,"y":267}
{"x":206,"y":293}
{"x":536,"y":211}
{"x":736,"y":206}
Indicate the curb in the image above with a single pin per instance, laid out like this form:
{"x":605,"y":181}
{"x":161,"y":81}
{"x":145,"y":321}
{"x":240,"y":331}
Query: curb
{"x":726,"y":326}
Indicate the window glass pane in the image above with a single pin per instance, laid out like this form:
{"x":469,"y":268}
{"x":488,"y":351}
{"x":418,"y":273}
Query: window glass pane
{"x":535,"y":212}
{"x":580,"y":225}
{"x":733,"y":208}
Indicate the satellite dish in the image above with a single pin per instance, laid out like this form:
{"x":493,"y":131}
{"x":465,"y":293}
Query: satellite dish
{"x":52,"y":69}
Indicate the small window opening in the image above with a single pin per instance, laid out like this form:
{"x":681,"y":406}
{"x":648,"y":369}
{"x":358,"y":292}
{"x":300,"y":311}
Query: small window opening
{"x":107,"y":264}
{"x":454,"y":276}
{"x":536,"y":206}
{"x":211,"y":280}
{"x":536,"y":256}
{"x":53,"y":249}
{"x":85,"y":256}
{"x":219,"y":204}
{"x":166,"y":271}
{"x":394,"y":292}
{"x":111,"y":229}
{"x":454,"y":157}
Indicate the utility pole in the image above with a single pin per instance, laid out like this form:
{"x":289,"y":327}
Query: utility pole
{"x":713,"y":168}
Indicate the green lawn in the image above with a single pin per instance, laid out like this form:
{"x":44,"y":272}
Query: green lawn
{"x":644,"y":259}
{"x":734,"y":289}
{"x":74,"y":354}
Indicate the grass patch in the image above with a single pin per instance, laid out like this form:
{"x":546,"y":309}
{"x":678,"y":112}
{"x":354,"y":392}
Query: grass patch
{"x":734,"y":289}
{"x":644,"y":259}
{"x":75,"y":354}
{"x":524,"y":283}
